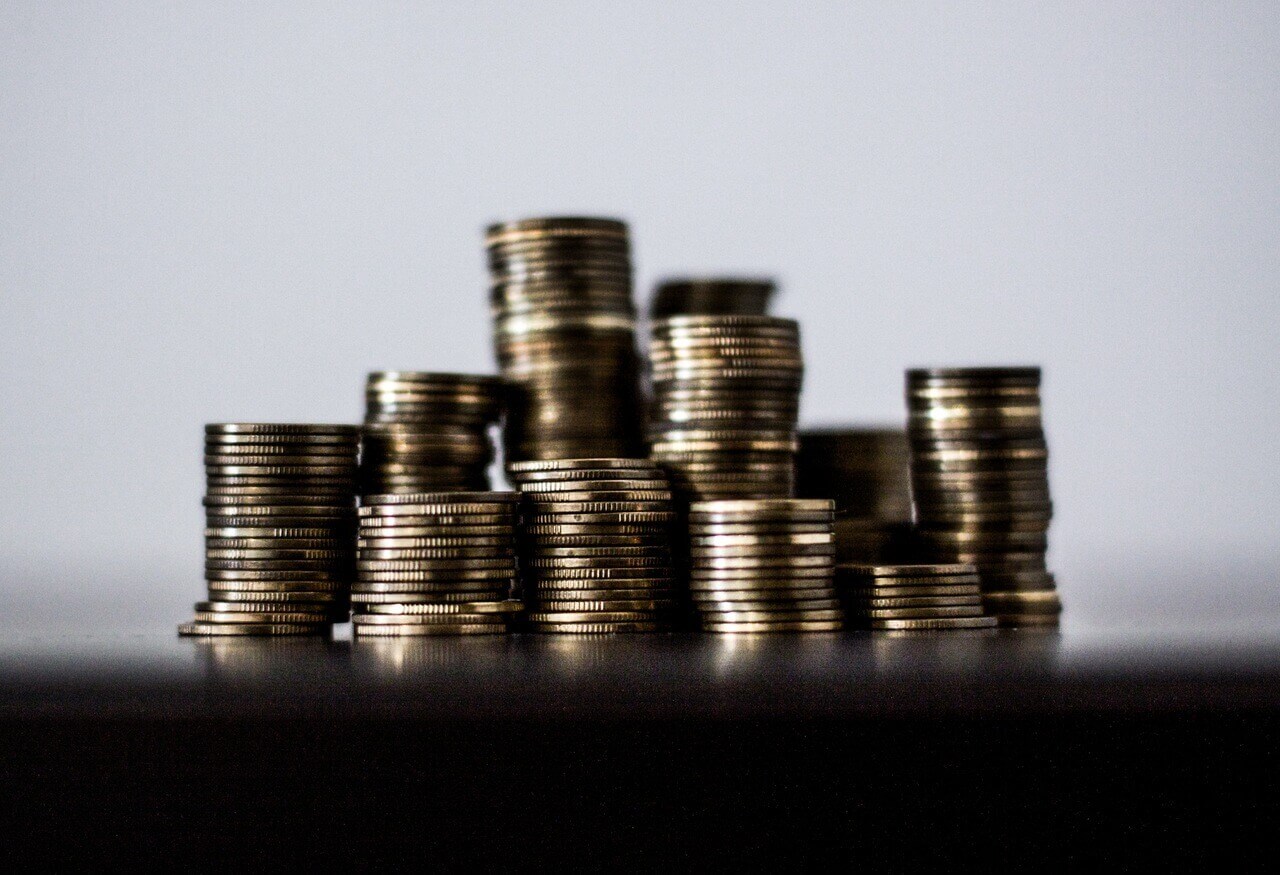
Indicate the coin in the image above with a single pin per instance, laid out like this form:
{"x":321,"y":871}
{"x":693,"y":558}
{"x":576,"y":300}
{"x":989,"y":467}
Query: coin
{"x":213,"y":629}
{"x":596,"y":628}
{"x":405,"y":630}
{"x":569,"y":584}
{"x":780,"y":626}
{"x":937,"y":623}
{"x":649,"y":605}
{"x":434,"y":619}
{"x":504,"y":606}
{"x":325,"y":599}
{"x":365,"y":601}
{"x":264,"y":616}
{"x":913,"y":591}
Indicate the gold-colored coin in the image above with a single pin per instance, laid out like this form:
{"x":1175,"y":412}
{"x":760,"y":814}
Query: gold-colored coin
{"x":935,"y":623}
{"x":596,"y":628}
{"x":254,"y":629}
{"x":503,"y":606}
{"x":409,"y":630}
{"x":799,"y":626}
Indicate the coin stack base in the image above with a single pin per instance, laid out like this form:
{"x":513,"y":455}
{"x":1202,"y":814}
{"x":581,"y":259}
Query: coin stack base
{"x":726,"y":394}
{"x":763,"y":566}
{"x":428,"y":432}
{"x":564,"y":330}
{"x":280,"y":513}
{"x":979,"y":471}
{"x":595,"y":550}
{"x":912,"y":598}
{"x":436,"y":563}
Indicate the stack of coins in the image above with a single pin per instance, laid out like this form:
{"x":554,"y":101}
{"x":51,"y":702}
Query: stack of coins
{"x":763,"y":566}
{"x":428,"y":432}
{"x":595,"y":551}
{"x":979,"y":478}
{"x":726,"y":394}
{"x":436,"y":563}
{"x":564,"y":329}
{"x":867,"y":472}
{"x":712,"y":296}
{"x":912,"y":597}
{"x":280,"y":511}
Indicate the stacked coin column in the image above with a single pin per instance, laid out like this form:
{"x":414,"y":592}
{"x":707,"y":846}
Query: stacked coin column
{"x":428,"y":432}
{"x":595,"y":553}
{"x":867,"y":472}
{"x":763,"y":566}
{"x":564,"y":331}
{"x":280,"y":515}
{"x":726,"y":394}
{"x":979,"y":468}
{"x":712,"y":296}
{"x":911,"y":598}
{"x":439,"y":563}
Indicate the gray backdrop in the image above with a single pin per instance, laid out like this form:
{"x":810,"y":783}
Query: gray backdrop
{"x":233,"y":211}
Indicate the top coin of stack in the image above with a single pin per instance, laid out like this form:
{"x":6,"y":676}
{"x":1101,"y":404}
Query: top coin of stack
{"x":726,"y":393}
{"x":763,"y":566}
{"x":428,"y":432}
{"x":435,"y":563}
{"x":280,"y":509}
{"x":564,"y":329}
{"x":712,"y":296}
{"x":980,"y":483}
{"x":595,"y":552}
{"x":867,"y":472}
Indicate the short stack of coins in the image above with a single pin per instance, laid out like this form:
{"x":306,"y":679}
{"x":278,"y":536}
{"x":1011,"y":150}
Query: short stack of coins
{"x":436,"y":563}
{"x":726,"y":394}
{"x":712,"y":296}
{"x":979,"y":476}
{"x":564,"y":331}
{"x":280,"y":516}
{"x":867,"y":472}
{"x":428,"y":432}
{"x":912,"y":598}
{"x":763,"y":566}
{"x":595,"y":549}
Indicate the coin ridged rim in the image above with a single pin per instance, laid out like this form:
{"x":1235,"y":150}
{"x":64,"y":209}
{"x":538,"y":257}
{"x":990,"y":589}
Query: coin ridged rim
{"x":783,"y":614}
{"x":631,"y":582}
{"x":284,"y":428}
{"x":783,"y":626}
{"x":367,"y":600}
{"x":935,"y":623}
{"x":420,"y":630}
{"x":306,"y":618}
{"x":251,"y":629}
{"x":257,"y":605}
{"x":475,"y":542}
{"x":597,"y":628}
{"x":506,"y":519}
{"x":495,"y":606}
{"x":916,"y":569}
{"x":855,"y":594}
{"x":219,"y":591}
{"x":376,"y":619}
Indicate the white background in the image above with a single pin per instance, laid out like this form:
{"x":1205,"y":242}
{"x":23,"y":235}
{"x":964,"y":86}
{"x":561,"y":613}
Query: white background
{"x":232,"y":211}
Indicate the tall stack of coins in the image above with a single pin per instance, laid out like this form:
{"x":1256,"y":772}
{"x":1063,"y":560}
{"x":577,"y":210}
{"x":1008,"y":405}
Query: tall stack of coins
{"x":763,"y":566}
{"x":867,"y":472}
{"x":428,"y":432}
{"x":726,"y":394}
{"x":280,"y":513}
{"x":979,"y":478}
{"x":912,"y":597}
{"x":712,"y":296}
{"x":436,"y":563}
{"x":564,"y":329}
{"x":595,"y":553}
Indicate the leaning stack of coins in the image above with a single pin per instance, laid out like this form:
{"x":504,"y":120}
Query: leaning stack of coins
{"x":280,"y":511}
{"x":726,"y":394}
{"x":712,"y":296}
{"x":436,"y":563}
{"x":428,"y":432}
{"x":912,"y":597}
{"x":595,"y":553}
{"x":564,"y":329}
{"x":867,"y":472}
{"x":763,"y":565}
{"x":979,"y":478}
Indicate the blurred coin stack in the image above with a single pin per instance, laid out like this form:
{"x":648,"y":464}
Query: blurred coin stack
{"x":726,"y":394}
{"x":595,"y":550}
{"x":564,"y":329}
{"x":280,"y":516}
{"x":435,"y":563}
{"x":911,"y":597}
{"x":979,"y":480}
{"x":428,"y":432}
{"x":718,"y":296}
{"x":867,"y":472}
{"x":763,"y":566}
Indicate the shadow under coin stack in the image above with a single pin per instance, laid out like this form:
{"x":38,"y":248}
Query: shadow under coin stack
{"x":867,"y":472}
{"x":722,"y":296}
{"x":979,"y":474}
{"x":280,"y":515}
{"x":428,"y":432}
{"x":726,"y":395}
{"x":564,"y":330}
{"x":436,"y":563}
{"x":912,"y":598}
{"x":763,"y":566}
{"x":595,"y":551}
